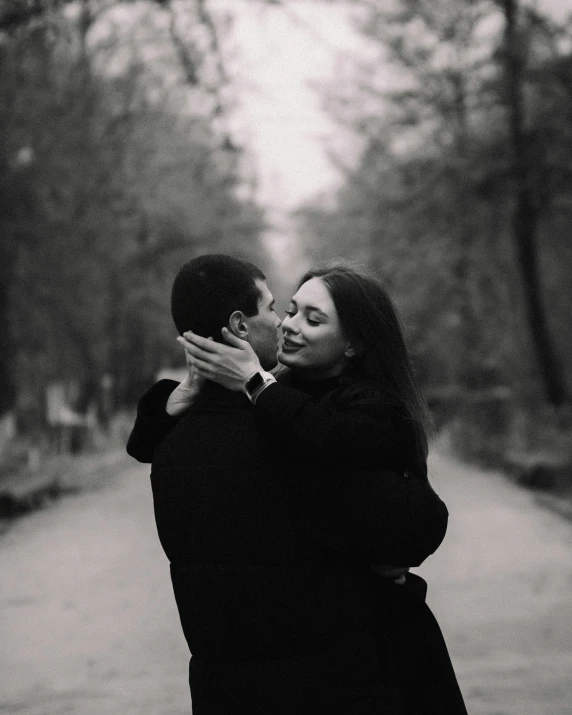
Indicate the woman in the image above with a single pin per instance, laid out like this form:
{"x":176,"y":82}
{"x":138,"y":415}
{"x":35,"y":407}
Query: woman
{"x":346,"y":402}
{"x":344,"y":347}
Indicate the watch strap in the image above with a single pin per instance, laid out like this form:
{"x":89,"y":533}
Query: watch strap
{"x":257,"y":383}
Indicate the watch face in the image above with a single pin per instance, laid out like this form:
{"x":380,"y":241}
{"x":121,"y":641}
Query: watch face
{"x":254,"y":383}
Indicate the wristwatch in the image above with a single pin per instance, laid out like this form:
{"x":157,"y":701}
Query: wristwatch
{"x":258,"y":382}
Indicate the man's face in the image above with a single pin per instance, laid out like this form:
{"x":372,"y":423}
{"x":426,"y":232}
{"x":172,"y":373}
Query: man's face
{"x":263,"y":328}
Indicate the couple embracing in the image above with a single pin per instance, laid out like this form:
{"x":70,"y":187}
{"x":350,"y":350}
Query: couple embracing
{"x":291,"y":504}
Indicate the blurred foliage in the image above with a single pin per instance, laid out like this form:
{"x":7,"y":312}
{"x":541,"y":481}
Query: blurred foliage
{"x":116,"y":164}
{"x":115,"y":167}
{"x":465,"y":132}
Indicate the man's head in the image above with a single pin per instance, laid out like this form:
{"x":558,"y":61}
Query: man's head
{"x":215,"y":291}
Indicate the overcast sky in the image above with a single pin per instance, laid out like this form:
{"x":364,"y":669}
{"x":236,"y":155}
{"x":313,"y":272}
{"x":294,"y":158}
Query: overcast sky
{"x":280,"y":116}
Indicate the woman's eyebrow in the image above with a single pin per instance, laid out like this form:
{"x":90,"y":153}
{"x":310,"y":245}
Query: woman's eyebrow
{"x":309,"y":308}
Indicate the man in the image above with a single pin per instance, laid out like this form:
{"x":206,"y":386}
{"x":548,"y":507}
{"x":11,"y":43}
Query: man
{"x":274,"y":608}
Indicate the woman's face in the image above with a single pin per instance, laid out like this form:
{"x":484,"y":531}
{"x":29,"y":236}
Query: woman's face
{"x":313,"y":339}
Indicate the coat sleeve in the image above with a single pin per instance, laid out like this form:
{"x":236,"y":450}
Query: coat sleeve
{"x":355,"y":435}
{"x":372,"y":513}
{"x":390,"y":519}
{"x":152,"y":423}
{"x":379,"y":517}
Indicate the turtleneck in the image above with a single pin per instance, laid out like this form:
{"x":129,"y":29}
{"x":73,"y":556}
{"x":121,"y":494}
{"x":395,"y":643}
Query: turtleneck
{"x":315,"y":388}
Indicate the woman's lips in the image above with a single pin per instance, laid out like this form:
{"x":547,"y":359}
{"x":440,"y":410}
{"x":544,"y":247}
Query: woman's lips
{"x":288,"y":346}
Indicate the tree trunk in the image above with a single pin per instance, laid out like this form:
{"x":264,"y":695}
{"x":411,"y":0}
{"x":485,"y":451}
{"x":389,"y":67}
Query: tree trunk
{"x":468,"y":365}
{"x":7,"y":387}
{"x":7,"y":260}
{"x":526,"y":215}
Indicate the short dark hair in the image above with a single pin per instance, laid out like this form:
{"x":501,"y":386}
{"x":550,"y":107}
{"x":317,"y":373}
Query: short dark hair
{"x":209,"y":288}
{"x":370,"y":322}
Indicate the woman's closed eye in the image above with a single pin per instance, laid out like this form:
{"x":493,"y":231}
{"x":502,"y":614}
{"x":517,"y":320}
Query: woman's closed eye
{"x":292,"y":313}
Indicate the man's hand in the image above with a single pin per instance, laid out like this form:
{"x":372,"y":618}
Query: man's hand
{"x":185,"y":394}
{"x":395,"y":573}
{"x":229,"y":365}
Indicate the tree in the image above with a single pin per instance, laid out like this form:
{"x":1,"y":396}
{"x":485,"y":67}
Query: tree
{"x":417,"y":176}
{"x":128,"y":178}
{"x":530,"y":197}
{"x":431,"y":199}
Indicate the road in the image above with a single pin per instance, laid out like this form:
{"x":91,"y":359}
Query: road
{"x":89,"y":625}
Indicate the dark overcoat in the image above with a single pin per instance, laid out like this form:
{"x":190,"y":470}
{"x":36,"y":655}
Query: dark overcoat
{"x":270,"y":555}
{"x":341,"y":439}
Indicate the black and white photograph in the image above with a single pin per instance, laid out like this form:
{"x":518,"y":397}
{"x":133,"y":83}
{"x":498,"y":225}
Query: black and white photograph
{"x":285,"y":357}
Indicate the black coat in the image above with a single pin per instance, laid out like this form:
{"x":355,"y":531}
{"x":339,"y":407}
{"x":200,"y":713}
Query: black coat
{"x":342,"y":438}
{"x":270,"y":542}
{"x":315,"y":447}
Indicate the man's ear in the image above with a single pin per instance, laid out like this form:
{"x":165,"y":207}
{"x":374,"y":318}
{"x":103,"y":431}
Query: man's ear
{"x":237,"y":325}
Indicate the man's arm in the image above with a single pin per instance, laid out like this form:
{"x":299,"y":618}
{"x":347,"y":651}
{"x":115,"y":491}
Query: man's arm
{"x":381,"y":517}
{"x":396,"y":520}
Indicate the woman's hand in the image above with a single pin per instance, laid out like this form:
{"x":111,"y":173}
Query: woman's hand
{"x":229,"y":365}
{"x":186,"y":392}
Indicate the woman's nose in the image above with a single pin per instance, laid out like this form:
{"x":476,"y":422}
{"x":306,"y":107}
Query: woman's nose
{"x":288,"y":325}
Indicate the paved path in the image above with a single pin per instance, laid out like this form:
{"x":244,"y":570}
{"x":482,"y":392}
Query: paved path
{"x":88,"y":623}
{"x":87,"y":616}
{"x":501,"y":588}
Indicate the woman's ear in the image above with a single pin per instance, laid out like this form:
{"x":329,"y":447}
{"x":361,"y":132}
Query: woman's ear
{"x":237,"y":325}
{"x":353,"y":350}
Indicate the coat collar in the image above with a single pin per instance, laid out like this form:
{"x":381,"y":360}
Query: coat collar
{"x":212,"y":393}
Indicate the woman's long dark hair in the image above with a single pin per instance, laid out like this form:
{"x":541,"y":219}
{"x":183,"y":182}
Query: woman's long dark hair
{"x":371,"y":324}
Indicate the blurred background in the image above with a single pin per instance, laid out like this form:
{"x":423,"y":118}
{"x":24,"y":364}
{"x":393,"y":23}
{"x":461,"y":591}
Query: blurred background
{"x":430,"y":142}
